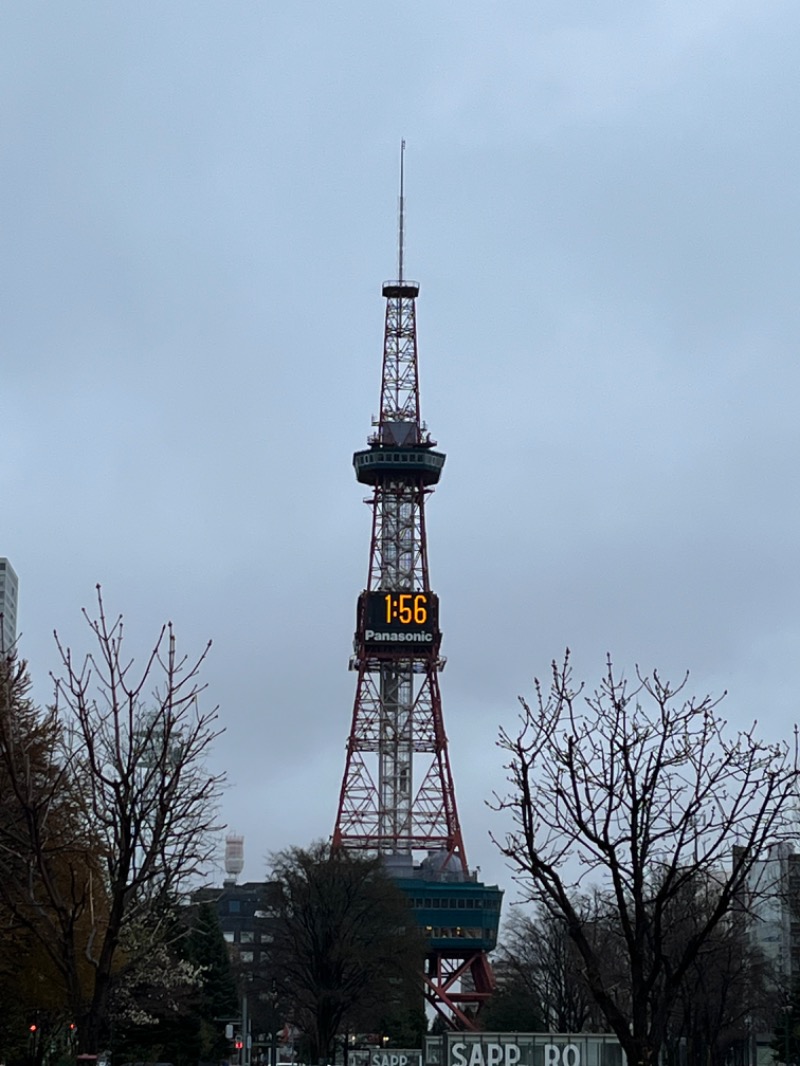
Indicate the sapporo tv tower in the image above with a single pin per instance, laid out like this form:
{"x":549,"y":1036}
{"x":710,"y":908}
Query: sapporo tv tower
{"x":397,"y":797}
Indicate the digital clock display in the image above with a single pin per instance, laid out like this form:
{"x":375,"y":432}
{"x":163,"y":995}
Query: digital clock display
{"x":407,"y":608}
{"x":405,"y":621}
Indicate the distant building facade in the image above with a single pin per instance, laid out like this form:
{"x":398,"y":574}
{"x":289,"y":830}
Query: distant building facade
{"x":9,"y":587}
{"x":246,"y":915}
{"x":774,"y":910}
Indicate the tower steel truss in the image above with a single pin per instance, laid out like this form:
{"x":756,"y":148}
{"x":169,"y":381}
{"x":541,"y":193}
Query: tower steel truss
{"x":397,"y":797}
{"x":403,"y":799}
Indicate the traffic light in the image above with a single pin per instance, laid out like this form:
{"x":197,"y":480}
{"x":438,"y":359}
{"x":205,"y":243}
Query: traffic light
{"x":239,"y":1045}
{"x":32,"y":1027}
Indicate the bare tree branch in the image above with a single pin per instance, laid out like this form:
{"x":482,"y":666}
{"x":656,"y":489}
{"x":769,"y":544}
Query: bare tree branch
{"x":643,"y":791}
{"x":114,"y":810}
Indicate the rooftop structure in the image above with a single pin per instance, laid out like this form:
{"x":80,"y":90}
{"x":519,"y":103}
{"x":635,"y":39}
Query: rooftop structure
{"x":9,"y":585}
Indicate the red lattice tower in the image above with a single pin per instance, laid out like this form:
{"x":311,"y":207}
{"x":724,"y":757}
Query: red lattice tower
{"x":397,"y":797}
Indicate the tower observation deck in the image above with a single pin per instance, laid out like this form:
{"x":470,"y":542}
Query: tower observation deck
{"x":397,"y":797}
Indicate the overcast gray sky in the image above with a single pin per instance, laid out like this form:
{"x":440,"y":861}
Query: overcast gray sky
{"x":198,"y":209}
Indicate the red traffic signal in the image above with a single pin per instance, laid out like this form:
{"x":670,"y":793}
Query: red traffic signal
{"x":239,"y":1045}
{"x":32,"y":1027}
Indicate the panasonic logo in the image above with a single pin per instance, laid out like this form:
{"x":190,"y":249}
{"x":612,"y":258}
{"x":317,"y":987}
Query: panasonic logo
{"x":373,"y":636}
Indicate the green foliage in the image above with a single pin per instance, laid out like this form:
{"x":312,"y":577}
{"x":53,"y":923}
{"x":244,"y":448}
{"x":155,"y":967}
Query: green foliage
{"x":512,"y":1009}
{"x":183,"y":1026}
{"x":218,"y":997}
{"x":785,"y":1044}
{"x":206,"y":948}
{"x":404,"y":1025}
{"x":47,"y":862}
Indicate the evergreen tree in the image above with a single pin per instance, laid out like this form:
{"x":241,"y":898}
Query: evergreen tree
{"x":512,"y":1009}
{"x":218,"y":997}
{"x":180,"y":1020}
{"x":51,"y":887}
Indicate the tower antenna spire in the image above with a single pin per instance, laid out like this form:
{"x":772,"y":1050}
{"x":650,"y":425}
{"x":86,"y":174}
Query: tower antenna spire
{"x":401,"y":219}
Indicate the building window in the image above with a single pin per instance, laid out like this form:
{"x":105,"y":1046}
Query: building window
{"x":246,"y":956}
{"x":228,"y":936}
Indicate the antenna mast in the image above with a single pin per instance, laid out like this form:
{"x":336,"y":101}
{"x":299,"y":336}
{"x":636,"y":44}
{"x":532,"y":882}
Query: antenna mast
{"x":401,"y":224}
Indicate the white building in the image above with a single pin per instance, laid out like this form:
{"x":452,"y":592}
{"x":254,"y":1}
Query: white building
{"x":8,"y":604}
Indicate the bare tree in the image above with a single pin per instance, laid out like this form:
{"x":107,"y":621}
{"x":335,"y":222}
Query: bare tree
{"x":346,"y":951}
{"x":536,"y":956}
{"x":727,"y":989}
{"x":127,"y":778}
{"x":644,"y":791}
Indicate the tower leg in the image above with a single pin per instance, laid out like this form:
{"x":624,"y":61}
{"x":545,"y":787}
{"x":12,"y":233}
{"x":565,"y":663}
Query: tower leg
{"x":457,"y":988}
